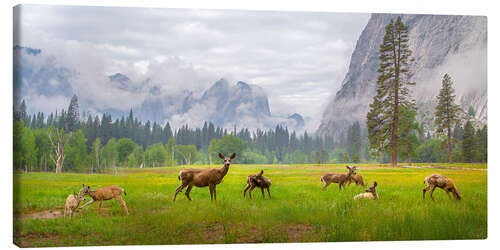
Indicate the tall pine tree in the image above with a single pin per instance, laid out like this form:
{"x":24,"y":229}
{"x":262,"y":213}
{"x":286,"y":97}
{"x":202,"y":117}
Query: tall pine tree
{"x":73,"y":115}
{"x":447,"y":112}
{"x":468,"y":144}
{"x":392,"y":90}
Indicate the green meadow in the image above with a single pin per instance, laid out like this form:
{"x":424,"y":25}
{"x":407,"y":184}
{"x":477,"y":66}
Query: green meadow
{"x":299,"y":210}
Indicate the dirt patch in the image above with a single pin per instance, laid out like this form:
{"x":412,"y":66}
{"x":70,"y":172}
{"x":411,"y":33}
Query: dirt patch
{"x":296,"y":232}
{"x":47,"y":214}
{"x":52,"y":214}
{"x":247,"y":233}
{"x":42,"y":238}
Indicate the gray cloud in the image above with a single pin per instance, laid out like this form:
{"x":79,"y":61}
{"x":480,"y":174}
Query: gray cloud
{"x":298,"y":58}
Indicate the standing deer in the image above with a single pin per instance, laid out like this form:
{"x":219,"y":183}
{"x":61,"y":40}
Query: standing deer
{"x":202,"y":177}
{"x":72,"y":203}
{"x":371,"y":193}
{"x":104,"y":194}
{"x":340,"y":178}
{"x":438,"y":180}
{"x":257,"y":180}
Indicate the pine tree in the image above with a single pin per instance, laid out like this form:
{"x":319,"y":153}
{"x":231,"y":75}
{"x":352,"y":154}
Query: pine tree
{"x":407,"y":133}
{"x":392,"y":90}
{"x":354,"y":142}
{"x":73,"y":115}
{"x":483,"y":143}
{"x":468,"y":143}
{"x":446,"y":112}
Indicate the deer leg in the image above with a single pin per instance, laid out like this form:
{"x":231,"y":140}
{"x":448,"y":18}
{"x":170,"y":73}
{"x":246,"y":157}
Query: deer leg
{"x":262,"y":190}
{"x":88,"y":203}
{"x":99,"y":209}
{"x":211,"y":192}
{"x":187,"y":192}
{"x":432,"y":191}
{"x":245,"y":190}
{"x":448,"y":193}
{"x":340,"y":186}
{"x":215,"y":193}
{"x":122,"y":202}
{"x":269,"y":193}
{"x":70,"y":213}
{"x":250,"y":191}
{"x":179,"y":189}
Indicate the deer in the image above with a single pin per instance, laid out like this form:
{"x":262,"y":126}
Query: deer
{"x":356,"y":178}
{"x":72,"y":203}
{"x":257,"y":180}
{"x":104,"y":194}
{"x":202,"y":177}
{"x":440,"y":181}
{"x":371,"y":193}
{"x":340,"y":178}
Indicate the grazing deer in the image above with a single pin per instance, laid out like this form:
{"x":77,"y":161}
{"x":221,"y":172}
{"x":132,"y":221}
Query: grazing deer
{"x":202,"y":177}
{"x":438,"y":180}
{"x":340,"y":178}
{"x":104,"y":194}
{"x":257,"y":180}
{"x":72,"y":203}
{"x":370,"y":195}
{"x":357,"y":178}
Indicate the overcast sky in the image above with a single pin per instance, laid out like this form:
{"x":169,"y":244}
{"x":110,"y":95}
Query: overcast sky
{"x":298,"y":58}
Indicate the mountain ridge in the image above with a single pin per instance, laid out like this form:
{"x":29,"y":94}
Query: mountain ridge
{"x":222,"y":103}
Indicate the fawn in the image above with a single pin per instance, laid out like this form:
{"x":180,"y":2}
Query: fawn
{"x":103,"y":194}
{"x":257,"y":180}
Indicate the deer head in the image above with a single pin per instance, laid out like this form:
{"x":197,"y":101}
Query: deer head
{"x":227,"y":161}
{"x":371,"y":189}
{"x":79,"y":197}
{"x":85,"y":190}
{"x":351,"y":169}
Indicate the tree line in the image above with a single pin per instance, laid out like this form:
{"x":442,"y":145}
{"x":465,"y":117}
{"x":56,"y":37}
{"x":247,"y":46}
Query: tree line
{"x":86,"y":143}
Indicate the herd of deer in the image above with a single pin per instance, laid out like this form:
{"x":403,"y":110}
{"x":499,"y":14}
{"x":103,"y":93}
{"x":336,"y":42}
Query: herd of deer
{"x":202,"y":177}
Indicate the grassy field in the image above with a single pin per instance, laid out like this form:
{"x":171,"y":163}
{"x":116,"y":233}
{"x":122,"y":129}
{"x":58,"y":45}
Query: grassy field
{"x":299,"y":210}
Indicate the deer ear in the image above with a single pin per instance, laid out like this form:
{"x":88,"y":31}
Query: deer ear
{"x":222,"y":156}
{"x":232,"y":156}
{"x":261,"y":172}
{"x":374,"y":183}
{"x":74,"y":193}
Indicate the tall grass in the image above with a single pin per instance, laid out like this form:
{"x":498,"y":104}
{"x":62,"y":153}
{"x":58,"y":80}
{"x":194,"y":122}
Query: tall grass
{"x":298,"y":210}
